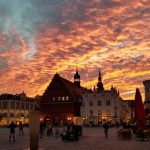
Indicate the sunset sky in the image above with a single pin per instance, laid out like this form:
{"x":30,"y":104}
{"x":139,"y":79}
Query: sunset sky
{"x":41,"y":37}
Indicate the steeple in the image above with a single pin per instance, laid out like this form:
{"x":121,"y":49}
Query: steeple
{"x":100,"y":84}
{"x":77,"y":78}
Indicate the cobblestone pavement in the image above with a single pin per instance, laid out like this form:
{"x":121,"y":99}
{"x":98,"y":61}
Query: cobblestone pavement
{"x":92,"y":139}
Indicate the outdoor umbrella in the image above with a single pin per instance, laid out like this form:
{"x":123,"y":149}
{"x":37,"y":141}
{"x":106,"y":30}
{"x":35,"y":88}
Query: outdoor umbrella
{"x":139,"y":111}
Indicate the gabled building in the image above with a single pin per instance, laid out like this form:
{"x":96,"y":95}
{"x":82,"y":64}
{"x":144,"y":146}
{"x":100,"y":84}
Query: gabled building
{"x":61,"y":100}
{"x":103,"y":105}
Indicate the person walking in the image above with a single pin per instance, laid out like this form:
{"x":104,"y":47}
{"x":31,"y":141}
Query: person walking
{"x":106,"y":127}
{"x":41,"y":129}
{"x":20,"y":128}
{"x":49,"y":129}
{"x":12,"y":127}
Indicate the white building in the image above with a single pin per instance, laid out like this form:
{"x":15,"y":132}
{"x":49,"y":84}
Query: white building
{"x":147,"y":97}
{"x":104,"y":105}
{"x":16,"y":108}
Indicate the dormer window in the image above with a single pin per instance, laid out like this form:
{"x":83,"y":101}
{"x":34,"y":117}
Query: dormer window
{"x":53,"y":98}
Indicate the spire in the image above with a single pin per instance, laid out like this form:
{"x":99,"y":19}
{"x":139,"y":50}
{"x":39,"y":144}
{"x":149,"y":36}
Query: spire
{"x":100,"y":84}
{"x":100,"y":76}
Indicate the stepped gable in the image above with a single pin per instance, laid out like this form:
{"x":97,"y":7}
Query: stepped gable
{"x":59,"y":83}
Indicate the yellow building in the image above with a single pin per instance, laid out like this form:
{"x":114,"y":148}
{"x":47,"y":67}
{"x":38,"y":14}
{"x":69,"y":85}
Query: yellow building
{"x":16,"y":108}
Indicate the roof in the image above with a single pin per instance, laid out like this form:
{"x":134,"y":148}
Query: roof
{"x":75,"y":91}
{"x":14,"y":97}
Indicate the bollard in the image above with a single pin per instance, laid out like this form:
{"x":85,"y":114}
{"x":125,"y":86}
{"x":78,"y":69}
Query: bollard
{"x":34,"y":129}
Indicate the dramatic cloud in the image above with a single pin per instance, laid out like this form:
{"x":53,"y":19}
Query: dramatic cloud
{"x":39,"y":38}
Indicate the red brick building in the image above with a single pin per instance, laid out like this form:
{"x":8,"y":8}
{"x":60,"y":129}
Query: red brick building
{"x":62,"y":99}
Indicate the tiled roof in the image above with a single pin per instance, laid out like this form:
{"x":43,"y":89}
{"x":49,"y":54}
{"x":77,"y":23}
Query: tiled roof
{"x":72,"y":89}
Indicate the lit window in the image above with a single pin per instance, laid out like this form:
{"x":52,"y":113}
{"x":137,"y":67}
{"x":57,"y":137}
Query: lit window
{"x":67,"y":98}
{"x":59,"y":98}
{"x":53,"y":98}
{"x":63,"y":98}
{"x":22,"y":115}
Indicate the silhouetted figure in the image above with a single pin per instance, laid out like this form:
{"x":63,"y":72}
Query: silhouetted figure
{"x":20,"y":128}
{"x":12,"y":127}
{"x":106,"y":127}
{"x":49,"y":129}
{"x":42,"y":126}
{"x":117,"y":125}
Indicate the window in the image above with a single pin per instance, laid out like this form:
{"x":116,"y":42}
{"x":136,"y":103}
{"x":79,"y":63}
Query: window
{"x":67,"y":98}
{"x":22,"y":115}
{"x":4,"y":114}
{"x":90,"y":112}
{"x":5,"y":104}
{"x":107,"y":112}
{"x":18,"y":105}
{"x":63,"y":98}
{"x":90,"y":103}
{"x":147,"y":89}
{"x":53,"y":98}
{"x":27,"y":105}
{"x":11,"y":114}
{"x":83,"y":113}
{"x":12,"y":104}
{"x":83,"y":103}
{"x":22,"y":105}
{"x":99,"y":112}
{"x":98,"y":103}
{"x":107,"y":102}
{"x":31,"y":106}
{"x":59,"y":98}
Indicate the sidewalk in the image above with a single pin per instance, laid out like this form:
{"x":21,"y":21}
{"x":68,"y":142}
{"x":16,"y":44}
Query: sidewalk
{"x":92,"y":139}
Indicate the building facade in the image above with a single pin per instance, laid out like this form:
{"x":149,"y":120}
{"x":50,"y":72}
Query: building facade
{"x":16,"y":108}
{"x":147,"y":97}
{"x":104,"y":105}
{"x":61,"y":101}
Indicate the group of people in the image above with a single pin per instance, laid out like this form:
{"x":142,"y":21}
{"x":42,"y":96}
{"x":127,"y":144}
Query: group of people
{"x":12,"y":126}
{"x":66,"y":132}
{"x":69,"y":132}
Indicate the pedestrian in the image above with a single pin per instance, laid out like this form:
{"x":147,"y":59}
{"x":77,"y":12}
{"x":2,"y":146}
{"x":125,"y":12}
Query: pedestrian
{"x":106,"y":127}
{"x":20,"y":128}
{"x":12,"y":127}
{"x":117,"y":125}
{"x":49,"y":129}
{"x":41,"y":129}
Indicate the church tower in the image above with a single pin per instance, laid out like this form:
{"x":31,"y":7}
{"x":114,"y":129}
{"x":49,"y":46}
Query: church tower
{"x":77,"y":78}
{"x":100,"y":87}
